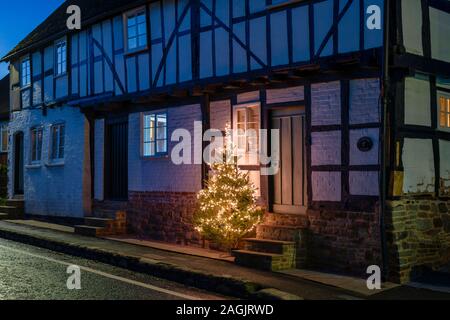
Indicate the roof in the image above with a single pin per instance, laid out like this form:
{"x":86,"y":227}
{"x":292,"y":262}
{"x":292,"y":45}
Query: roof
{"x":4,"y":97}
{"x":55,"y":27}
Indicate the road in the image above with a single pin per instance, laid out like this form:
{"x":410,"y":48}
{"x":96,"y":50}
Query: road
{"x":32,"y":273}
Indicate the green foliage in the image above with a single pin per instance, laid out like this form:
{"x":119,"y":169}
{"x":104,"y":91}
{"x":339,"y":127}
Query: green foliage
{"x":227,"y":209}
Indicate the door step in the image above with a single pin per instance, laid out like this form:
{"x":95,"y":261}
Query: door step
{"x":92,"y":231}
{"x":281,"y":233}
{"x":14,"y":209}
{"x":262,"y":260}
{"x":98,"y":227}
{"x":266,"y":254}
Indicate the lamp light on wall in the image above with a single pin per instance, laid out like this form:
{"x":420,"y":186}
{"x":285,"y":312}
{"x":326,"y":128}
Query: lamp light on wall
{"x":365,"y":144}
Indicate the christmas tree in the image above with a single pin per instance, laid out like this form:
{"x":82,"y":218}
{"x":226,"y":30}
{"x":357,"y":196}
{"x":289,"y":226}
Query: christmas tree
{"x":227,"y":209}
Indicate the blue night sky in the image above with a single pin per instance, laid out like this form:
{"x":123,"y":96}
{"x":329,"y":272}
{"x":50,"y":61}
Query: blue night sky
{"x":14,"y":26}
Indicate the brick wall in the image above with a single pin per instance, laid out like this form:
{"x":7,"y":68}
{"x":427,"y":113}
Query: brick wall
{"x":344,"y":241}
{"x":418,"y":234}
{"x":165,"y":216}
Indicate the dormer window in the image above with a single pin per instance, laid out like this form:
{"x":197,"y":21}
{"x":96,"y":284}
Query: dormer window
{"x":25,"y":72}
{"x":61,"y":57}
{"x":136,"y":30}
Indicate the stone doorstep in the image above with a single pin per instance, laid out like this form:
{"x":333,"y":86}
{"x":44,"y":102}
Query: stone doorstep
{"x":263,"y":260}
{"x":269,"y":246}
{"x":91,"y":231}
{"x":4,"y":216}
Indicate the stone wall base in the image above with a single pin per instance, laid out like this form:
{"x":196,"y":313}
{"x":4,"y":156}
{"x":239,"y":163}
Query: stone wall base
{"x":165,"y":216}
{"x":418,"y":236}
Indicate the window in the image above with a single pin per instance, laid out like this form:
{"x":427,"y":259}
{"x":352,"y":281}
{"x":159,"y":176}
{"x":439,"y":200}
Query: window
{"x":444,"y":111}
{"x":247,"y":134}
{"x":57,"y":142}
{"x":136,"y":30}
{"x":25,"y":72}
{"x":61,"y":57}
{"x":154,"y":134}
{"x":36,"y":145}
{"x":4,"y":138}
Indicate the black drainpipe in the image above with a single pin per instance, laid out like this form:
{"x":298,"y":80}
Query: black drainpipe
{"x":384,"y":137}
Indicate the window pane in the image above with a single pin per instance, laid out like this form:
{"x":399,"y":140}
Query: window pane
{"x":241,"y":115}
{"x":442,"y":119}
{"x":131,"y":21}
{"x":141,"y":18}
{"x":142,"y":29}
{"x":161,"y":133}
{"x":132,"y":32}
{"x":162,"y":146}
{"x":132,"y":43}
{"x":142,"y":41}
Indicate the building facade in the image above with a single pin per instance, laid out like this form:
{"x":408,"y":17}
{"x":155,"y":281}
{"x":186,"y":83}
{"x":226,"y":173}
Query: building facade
{"x":361,"y":103}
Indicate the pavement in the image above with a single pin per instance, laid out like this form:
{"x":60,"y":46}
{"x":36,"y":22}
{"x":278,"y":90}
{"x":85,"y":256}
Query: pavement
{"x":208,"y":273}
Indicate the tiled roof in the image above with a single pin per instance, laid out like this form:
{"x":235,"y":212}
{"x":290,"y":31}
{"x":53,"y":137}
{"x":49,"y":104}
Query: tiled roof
{"x":55,"y":25}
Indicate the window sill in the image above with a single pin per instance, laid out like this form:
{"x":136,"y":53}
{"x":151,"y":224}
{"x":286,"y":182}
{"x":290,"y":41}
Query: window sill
{"x":135,"y":51}
{"x":55,"y":164}
{"x":33,"y":166}
{"x":157,"y":157}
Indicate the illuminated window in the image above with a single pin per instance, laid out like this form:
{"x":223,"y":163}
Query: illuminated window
{"x":246,"y":134}
{"x":136,"y":30}
{"x":154,"y":139}
{"x":444,"y":111}
{"x":25,"y":72}
{"x":36,"y":145}
{"x":61,"y":57}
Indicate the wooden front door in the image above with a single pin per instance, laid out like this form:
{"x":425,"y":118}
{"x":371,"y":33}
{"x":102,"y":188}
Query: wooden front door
{"x":18,"y":164}
{"x":289,"y":184}
{"x":116,"y":159}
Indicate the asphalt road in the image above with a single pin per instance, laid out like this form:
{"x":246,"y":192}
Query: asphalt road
{"x":32,"y":273}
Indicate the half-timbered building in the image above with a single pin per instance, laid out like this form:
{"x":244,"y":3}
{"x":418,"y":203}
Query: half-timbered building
{"x":359,"y":90}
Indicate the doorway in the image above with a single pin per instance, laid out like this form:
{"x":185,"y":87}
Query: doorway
{"x":116,"y":159}
{"x":18,"y":164}
{"x":289,"y":192}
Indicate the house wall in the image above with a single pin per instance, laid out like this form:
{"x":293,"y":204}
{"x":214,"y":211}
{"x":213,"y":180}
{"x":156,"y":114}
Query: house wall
{"x":162,"y":195}
{"x":229,"y":39}
{"x":343,"y":232}
{"x":54,"y":189}
{"x":417,"y":211}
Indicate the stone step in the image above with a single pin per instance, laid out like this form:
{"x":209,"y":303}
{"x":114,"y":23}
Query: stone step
{"x":100,"y":222}
{"x":284,"y":219}
{"x":4,"y":216}
{"x":110,"y":214}
{"x":18,"y":203}
{"x":269,"y":246}
{"x":91,"y":231}
{"x":9,"y":209}
{"x":281,"y":233}
{"x":263,"y":261}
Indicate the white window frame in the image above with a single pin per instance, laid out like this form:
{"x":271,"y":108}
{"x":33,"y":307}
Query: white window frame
{"x":3,"y":131}
{"x":134,"y":14}
{"x":153,"y":135}
{"x":246,"y":156}
{"x":62,"y":43}
{"x":27,"y":70}
{"x":58,"y":158}
{"x":445,"y":95}
{"x":38,"y":144}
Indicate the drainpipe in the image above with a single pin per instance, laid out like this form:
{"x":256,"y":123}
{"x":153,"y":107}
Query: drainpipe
{"x":384,"y":137}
